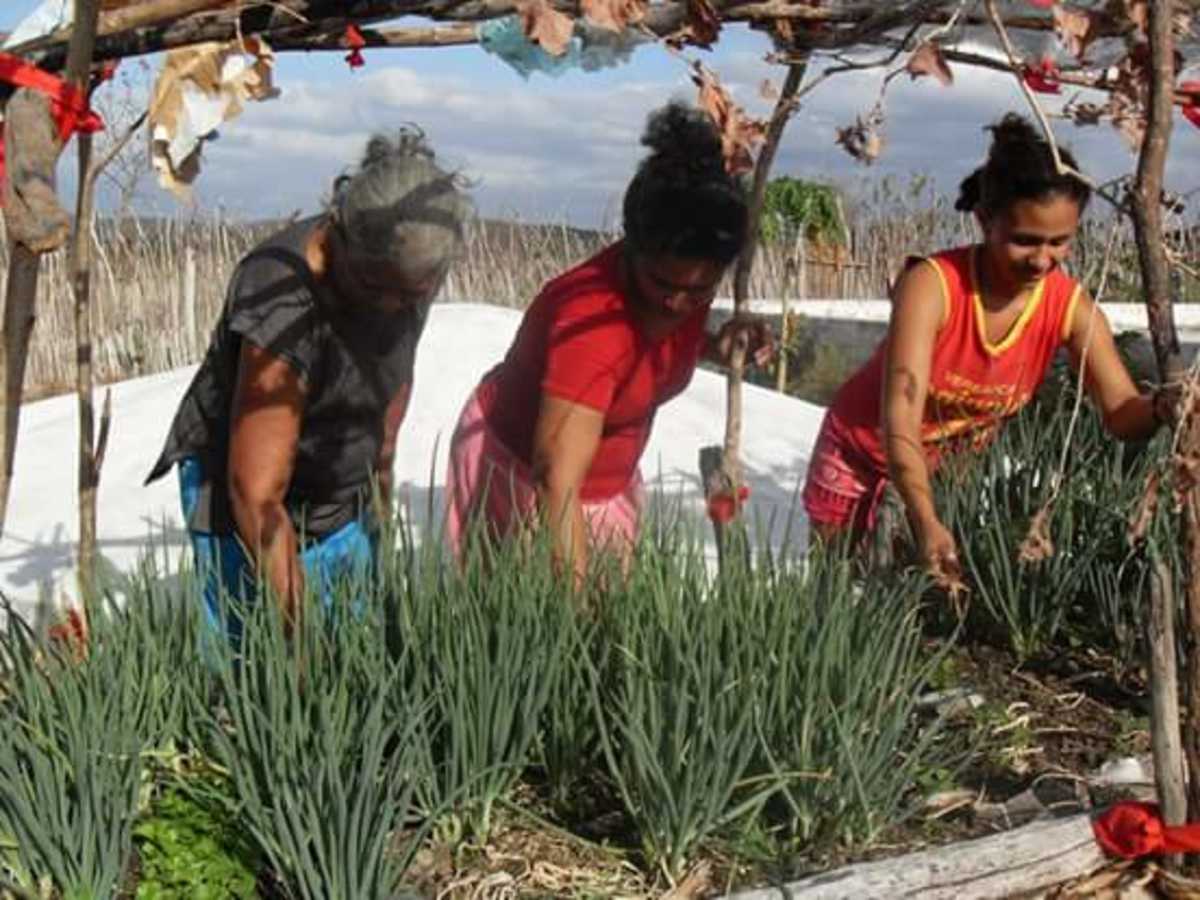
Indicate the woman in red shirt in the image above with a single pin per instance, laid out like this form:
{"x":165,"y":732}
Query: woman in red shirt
{"x":972,"y":334}
{"x":560,"y":425}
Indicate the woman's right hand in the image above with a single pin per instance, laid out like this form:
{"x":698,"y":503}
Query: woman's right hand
{"x":939,"y":552}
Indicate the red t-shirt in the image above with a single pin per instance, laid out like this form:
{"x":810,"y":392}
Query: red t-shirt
{"x":973,"y":384}
{"x":580,"y":342}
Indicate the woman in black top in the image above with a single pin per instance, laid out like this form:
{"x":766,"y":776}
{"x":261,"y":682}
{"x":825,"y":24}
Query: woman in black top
{"x":291,"y":421}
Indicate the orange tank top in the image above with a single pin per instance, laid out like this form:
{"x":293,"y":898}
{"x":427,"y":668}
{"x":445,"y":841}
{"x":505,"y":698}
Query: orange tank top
{"x":973,"y":384}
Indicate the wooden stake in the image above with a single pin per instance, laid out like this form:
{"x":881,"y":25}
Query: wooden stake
{"x":721,"y":467}
{"x":79,"y":68}
{"x":19,"y":301}
{"x":1146,"y":212}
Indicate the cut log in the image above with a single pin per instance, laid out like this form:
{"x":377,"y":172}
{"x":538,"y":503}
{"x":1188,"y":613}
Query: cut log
{"x":1015,"y":862}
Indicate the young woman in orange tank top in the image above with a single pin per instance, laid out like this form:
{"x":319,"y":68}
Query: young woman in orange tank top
{"x":972,"y":333}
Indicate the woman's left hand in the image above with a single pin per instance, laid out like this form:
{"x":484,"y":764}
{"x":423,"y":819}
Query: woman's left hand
{"x":757,"y":334}
{"x":1166,"y":404}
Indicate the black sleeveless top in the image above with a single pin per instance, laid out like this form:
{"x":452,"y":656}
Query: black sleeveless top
{"x":353,"y":361}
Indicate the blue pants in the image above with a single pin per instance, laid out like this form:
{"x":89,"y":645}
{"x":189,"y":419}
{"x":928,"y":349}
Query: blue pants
{"x":345,"y":556}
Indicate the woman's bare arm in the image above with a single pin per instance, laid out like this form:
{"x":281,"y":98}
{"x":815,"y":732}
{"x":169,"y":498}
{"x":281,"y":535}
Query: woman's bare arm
{"x":268,"y":405}
{"x":565,"y":440}
{"x":917,"y":315}
{"x":1128,"y":414}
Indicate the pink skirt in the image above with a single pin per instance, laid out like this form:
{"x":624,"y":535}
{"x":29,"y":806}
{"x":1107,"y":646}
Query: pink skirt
{"x":484,"y":478}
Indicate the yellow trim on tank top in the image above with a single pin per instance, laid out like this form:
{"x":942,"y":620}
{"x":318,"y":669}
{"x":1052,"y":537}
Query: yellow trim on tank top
{"x":1069,"y":315}
{"x":1017,"y":328}
{"x":936,"y":266}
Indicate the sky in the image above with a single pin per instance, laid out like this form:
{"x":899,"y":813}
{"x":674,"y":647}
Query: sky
{"x":563,"y":148}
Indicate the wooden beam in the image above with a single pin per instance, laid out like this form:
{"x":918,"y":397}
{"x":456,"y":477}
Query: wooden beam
{"x":159,"y":25}
{"x":457,"y":34}
{"x":1014,"y":863}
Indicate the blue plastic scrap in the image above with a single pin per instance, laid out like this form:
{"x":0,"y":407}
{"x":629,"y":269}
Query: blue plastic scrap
{"x":590,"y":48}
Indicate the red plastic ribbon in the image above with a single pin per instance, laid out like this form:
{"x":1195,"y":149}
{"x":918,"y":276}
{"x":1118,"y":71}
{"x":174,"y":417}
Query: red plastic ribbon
{"x":1043,"y":77}
{"x":354,"y":41}
{"x":1130,"y":830}
{"x":68,"y":104}
{"x":1191,"y":105}
{"x":723,"y":508}
{"x":73,"y":633}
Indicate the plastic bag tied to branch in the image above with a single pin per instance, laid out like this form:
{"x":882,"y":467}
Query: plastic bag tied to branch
{"x":198,"y":89}
{"x":589,"y":47}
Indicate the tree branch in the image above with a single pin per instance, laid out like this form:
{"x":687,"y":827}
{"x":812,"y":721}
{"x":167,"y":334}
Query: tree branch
{"x":1015,"y":65}
{"x":459,"y":33}
{"x":159,"y":25}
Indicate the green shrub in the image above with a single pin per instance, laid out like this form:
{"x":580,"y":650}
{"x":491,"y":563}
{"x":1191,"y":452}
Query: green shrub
{"x":797,"y":209}
{"x":190,"y":847}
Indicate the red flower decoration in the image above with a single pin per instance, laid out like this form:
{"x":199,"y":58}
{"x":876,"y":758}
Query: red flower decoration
{"x":724,"y":508}
{"x":1130,"y":830}
{"x":354,"y":40}
{"x":73,"y":633}
{"x":1043,"y":77}
{"x":1191,"y":105}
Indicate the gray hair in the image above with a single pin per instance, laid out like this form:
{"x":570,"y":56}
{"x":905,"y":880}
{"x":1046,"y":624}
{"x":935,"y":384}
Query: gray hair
{"x":399,"y":205}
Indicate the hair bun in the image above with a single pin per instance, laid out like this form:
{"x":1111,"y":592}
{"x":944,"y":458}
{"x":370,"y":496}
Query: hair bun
{"x":970,"y":192}
{"x":683,"y":137}
{"x":409,"y":140}
{"x":1015,"y":130}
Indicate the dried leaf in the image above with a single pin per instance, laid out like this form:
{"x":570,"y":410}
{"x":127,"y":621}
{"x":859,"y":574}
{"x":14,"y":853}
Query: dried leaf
{"x":1136,"y":11}
{"x":1182,"y":21}
{"x":928,"y":60}
{"x":1129,"y":96}
{"x":614,"y":15}
{"x":768,"y":90}
{"x":1139,"y":524}
{"x":1082,"y":113}
{"x":863,"y":140}
{"x":785,"y":32}
{"x":1038,"y":546}
{"x":545,"y":26}
{"x":701,"y":26}
{"x":1076,"y":28}
{"x":697,"y":883}
{"x":740,"y":133}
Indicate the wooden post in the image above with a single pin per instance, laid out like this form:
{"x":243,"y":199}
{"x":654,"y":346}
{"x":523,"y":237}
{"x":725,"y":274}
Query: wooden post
{"x":79,"y":68}
{"x":20,"y":297}
{"x":726,"y":477}
{"x":1146,"y":212}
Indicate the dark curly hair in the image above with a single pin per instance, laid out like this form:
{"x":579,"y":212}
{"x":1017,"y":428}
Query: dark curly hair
{"x":1020,"y":166}
{"x":682,"y":202}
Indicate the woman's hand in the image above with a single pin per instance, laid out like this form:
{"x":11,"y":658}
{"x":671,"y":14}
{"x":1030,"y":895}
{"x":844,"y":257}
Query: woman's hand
{"x":757,"y":334}
{"x":1166,"y":404}
{"x":939,"y":553}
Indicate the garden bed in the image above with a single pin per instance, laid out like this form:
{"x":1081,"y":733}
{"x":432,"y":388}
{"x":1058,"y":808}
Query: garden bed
{"x":489,"y":733}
